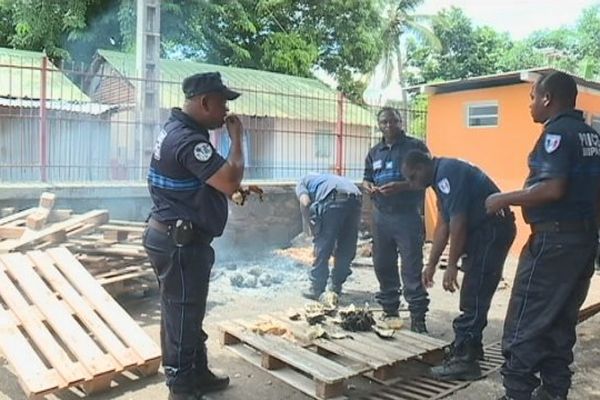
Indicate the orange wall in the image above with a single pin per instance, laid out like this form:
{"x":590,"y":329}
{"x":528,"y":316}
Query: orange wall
{"x":499,"y":151}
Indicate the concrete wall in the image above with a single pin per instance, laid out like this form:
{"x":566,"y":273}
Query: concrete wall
{"x":252,"y":228}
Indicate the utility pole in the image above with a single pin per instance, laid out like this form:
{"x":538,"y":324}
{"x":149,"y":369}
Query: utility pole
{"x":147,"y":55}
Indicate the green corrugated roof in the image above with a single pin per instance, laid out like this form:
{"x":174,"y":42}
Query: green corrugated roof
{"x":263,"y":93}
{"x":20,"y":77}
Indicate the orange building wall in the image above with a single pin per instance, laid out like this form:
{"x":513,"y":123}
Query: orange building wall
{"x":499,"y":151}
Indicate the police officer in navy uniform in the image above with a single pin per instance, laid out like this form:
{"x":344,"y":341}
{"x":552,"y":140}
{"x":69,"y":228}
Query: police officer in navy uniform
{"x":482,"y":240}
{"x":189,"y":183}
{"x":397,"y":221}
{"x":560,"y":203}
{"x":332,"y":204}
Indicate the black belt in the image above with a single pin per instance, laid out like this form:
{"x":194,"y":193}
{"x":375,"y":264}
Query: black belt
{"x":564,"y":227}
{"x":159,"y":226}
{"x":341,"y":196}
{"x":168,"y":228}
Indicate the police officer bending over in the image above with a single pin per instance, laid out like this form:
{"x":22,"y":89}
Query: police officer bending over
{"x":397,"y":221}
{"x":461,"y":190}
{"x":560,"y":203}
{"x":189,"y":184}
{"x":333,"y":205}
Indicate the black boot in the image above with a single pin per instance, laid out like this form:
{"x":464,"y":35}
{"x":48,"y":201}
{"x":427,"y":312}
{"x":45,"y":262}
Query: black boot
{"x":461,"y":364}
{"x":457,"y":369}
{"x":311,"y":294}
{"x":337,"y":289}
{"x":542,"y":394}
{"x":209,"y":382}
{"x":417,"y":324}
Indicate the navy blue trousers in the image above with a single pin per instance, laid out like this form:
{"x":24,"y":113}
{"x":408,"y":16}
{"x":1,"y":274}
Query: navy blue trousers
{"x":183,"y":274}
{"x":335,"y":233}
{"x":399,"y":234}
{"x":552,"y":282}
{"x":487,"y":248}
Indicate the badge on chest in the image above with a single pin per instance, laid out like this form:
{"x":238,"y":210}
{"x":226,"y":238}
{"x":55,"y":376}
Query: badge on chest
{"x":379,"y":164}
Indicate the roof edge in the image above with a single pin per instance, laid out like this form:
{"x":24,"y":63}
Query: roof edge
{"x":502,"y":79}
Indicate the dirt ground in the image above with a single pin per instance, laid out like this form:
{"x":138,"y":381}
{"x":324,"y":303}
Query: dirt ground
{"x":286,"y":278}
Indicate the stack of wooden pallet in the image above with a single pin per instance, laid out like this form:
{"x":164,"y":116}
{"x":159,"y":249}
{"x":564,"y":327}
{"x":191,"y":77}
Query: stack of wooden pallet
{"x":111,"y":250}
{"x":114,"y":254}
{"x":43,"y":226}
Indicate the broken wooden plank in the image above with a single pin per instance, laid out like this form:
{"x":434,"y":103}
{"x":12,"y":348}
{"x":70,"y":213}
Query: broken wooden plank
{"x":11,"y":232}
{"x":47,"y":200}
{"x":57,"y":231}
{"x":37,"y":220}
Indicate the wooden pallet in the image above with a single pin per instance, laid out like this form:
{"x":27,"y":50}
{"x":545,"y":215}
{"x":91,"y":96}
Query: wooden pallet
{"x":113,"y":253}
{"x":321,"y":367}
{"x":52,"y":234}
{"x":59,"y":328}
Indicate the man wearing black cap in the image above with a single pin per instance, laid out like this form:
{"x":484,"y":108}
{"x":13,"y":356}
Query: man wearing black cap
{"x":189,"y":184}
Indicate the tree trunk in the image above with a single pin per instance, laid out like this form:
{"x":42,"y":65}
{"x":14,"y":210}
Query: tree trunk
{"x":404,"y":109}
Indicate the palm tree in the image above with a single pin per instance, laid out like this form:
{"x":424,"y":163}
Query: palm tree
{"x":399,"y":21}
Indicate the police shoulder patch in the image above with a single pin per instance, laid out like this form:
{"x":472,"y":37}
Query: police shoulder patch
{"x":203,"y":151}
{"x":444,"y":186}
{"x":551,"y":142}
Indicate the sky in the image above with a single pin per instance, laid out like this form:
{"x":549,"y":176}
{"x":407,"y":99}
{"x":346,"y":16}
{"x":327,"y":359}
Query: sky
{"x":517,"y":17}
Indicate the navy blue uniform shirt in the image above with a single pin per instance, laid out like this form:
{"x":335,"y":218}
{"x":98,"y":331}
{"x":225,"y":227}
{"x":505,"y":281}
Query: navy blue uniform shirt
{"x":319,"y":186}
{"x":182,"y":161}
{"x":462,"y":188}
{"x":383,"y":165}
{"x":567,"y":148}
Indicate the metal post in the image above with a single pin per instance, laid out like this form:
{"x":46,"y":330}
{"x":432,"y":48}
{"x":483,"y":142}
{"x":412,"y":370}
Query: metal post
{"x":43,"y":121}
{"x":339,"y":155}
{"x":147,"y":59}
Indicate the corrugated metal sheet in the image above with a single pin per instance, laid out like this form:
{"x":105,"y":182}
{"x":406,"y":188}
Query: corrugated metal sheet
{"x":21,"y":76}
{"x":78,"y":150}
{"x":60,"y":105}
{"x":264,"y":93}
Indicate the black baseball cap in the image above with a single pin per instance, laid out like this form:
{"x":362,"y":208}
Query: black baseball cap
{"x":208,"y":82}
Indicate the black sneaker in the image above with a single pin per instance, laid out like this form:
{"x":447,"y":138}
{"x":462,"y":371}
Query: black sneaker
{"x":457,"y":369}
{"x":209,"y":382}
{"x":542,"y":394}
{"x":311,"y":295}
{"x":418,"y":325}
{"x":337,"y":289}
{"x":390,"y":314}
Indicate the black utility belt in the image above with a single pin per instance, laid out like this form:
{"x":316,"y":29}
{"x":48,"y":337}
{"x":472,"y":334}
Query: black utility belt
{"x":564,"y":227}
{"x":341,"y":196}
{"x":183,"y":232}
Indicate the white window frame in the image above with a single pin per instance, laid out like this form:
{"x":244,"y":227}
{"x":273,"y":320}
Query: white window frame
{"x":469,"y":106}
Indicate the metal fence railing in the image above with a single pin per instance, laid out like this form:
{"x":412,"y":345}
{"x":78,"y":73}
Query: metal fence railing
{"x":66,"y":124}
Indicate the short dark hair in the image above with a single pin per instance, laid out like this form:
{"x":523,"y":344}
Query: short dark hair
{"x":417,"y":157}
{"x":560,"y":86}
{"x":391,"y":110}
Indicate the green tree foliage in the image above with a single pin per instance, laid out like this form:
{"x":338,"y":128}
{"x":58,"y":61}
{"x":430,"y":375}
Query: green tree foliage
{"x":466,"y":51}
{"x":340,"y":36}
{"x":469,"y":51}
{"x":288,"y":36}
{"x":400,"y":21}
